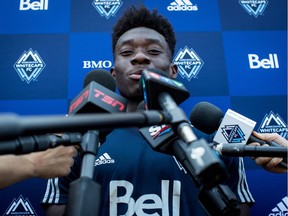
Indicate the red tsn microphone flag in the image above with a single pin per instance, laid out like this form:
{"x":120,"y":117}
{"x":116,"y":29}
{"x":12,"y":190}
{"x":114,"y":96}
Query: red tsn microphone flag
{"x":95,"y":98}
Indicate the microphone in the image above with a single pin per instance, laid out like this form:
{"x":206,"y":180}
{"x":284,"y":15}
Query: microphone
{"x":208,"y":118}
{"x":159,"y":137}
{"x":221,"y":198}
{"x":195,"y":155}
{"x":94,"y":98}
{"x":154,"y":82}
{"x":158,"y":92}
{"x":240,"y":150}
{"x":98,"y":98}
{"x":27,"y":144}
{"x":162,"y":139}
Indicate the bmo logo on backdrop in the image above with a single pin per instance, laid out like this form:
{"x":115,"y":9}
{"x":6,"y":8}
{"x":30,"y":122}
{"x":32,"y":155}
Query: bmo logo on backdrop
{"x":33,"y":5}
{"x":271,"y":62}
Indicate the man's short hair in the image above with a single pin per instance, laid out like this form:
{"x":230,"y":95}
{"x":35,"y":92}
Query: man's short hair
{"x":140,"y":16}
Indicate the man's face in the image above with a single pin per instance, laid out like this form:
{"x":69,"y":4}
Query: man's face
{"x":135,"y":50}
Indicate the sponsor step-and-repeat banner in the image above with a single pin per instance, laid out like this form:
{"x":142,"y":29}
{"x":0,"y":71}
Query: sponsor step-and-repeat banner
{"x":232,"y":54}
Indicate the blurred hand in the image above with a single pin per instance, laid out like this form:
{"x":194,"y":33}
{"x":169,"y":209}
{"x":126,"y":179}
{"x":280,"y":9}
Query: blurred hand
{"x":268,"y":163}
{"x":54,"y":162}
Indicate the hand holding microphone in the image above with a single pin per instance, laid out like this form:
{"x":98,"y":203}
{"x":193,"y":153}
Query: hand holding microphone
{"x":209,"y":119}
{"x":268,"y":163}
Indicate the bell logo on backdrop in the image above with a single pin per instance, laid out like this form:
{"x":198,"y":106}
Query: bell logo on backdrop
{"x":20,"y":207}
{"x":273,"y":123}
{"x":182,"y":5}
{"x":254,"y":7}
{"x":267,"y":63}
{"x":29,"y":65}
{"x":107,"y":8}
{"x":34,"y":5}
{"x":188,"y":62}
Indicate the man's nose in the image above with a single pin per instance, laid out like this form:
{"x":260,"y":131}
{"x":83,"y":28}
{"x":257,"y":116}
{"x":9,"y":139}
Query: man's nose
{"x":140,"y":58}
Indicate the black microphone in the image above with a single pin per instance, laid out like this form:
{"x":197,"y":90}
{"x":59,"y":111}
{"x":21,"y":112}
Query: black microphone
{"x":219,"y":200}
{"x":154,"y":81}
{"x":98,"y":95}
{"x":207,"y":118}
{"x":195,"y":155}
{"x":28,"y":144}
{"x":241,"y":150}
{"x":94,"y":98}
{"x":159,"y":137}
{"x":159,"y":93}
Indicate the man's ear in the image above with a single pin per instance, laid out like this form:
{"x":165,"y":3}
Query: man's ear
{"x":112,"y":72}
{"x":173,"y":71}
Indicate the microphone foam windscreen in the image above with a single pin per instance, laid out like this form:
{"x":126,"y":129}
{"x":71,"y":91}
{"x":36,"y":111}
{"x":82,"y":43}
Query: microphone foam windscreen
{"x":206,"y":117}
{"x":102,"y":77}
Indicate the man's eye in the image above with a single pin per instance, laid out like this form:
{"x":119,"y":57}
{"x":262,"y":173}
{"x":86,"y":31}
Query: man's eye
{"x":154,"y":52}
{"x":126,"y":53}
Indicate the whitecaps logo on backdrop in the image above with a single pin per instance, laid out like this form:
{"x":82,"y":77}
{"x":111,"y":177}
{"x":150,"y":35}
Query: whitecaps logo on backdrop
{"x":273,"y":123}
{"x":107,"y":8}
{"x":29,"y":65}
{"x":254,"y":7}
{"x":20,"y":207}
{"x":188,"y":62}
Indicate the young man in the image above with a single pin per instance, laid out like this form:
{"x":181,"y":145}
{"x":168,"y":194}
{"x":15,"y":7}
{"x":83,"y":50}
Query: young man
{"x":135,"y":179}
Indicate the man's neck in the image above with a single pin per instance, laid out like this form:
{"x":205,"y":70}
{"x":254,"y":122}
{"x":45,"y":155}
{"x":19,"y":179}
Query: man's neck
{"x":132,"y":106}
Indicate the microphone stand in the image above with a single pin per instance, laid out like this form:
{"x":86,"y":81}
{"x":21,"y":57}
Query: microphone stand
{"x":84,"y":193}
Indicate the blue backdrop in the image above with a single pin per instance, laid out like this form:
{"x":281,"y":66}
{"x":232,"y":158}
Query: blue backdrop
{"x":236,"y":52}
